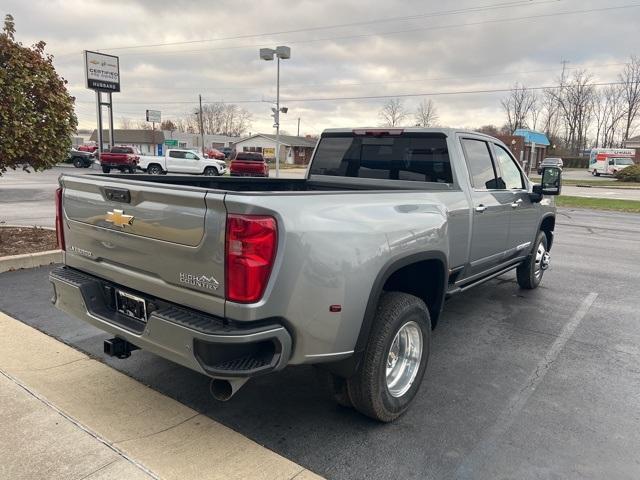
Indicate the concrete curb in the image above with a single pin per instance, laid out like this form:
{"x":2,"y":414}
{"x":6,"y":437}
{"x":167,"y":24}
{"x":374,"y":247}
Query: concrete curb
{"x":30,"y":260}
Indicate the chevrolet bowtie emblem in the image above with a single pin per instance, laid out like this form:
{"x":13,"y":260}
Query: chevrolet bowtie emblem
{"x":118,"y":218}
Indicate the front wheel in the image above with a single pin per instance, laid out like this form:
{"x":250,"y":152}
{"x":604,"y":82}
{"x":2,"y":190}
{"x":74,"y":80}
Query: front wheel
{"x":596,"y":173}
{"x":529,"y":272}
{"x":106,"y":169}
{"x":395,"y":358}
{"x":154,"y":169}
{"x":77,"y":163}
{"x":210,"y":172}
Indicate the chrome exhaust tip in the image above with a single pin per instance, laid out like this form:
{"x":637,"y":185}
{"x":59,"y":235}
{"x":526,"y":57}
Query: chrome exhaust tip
{"x":223,"y":389}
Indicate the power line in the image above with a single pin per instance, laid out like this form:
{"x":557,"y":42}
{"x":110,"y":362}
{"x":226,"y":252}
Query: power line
{"x":387,"y":82}
{"x":397,"y":32}
{"x":459,"y":11}
{"x":378,"y":97}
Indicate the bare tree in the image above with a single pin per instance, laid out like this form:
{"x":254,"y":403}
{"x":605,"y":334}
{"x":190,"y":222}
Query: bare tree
{"x":168,"y":125}
{"x":125,"y":123}
{"x":630,"y":79}
{"x":426,"y":114}
{"x":393,"y":113}
{"x":575,"y":98}
{"x":518,"y":106}
{"x":549,"y":109}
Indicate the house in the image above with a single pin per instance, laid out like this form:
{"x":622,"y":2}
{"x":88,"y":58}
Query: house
{"x":154,"y":142}
{"x":149,"y":142}
{"x":194,"y":140}
{"x":521,"y":143}
{"x":293,"y":150}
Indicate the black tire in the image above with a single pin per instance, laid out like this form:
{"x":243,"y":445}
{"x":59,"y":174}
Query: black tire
{"x":132,"y":169}
{"x":368,"y":388}
{"x":336,"y":386}
{"x":530,"y":272}
{"x":77,"y":163}
{"x":106,"y":169}
{"x":154,"y":169}
{"x":210,"y":171}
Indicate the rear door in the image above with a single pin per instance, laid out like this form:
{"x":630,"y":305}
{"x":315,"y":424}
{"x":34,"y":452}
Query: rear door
{"x":157,"y":239}
{"x":491,"y":208}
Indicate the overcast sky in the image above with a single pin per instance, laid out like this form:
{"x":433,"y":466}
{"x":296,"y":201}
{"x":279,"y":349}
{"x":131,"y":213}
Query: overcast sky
{"x":454,"y":46}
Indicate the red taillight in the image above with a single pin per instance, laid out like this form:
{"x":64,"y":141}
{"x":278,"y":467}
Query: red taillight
{"x":59,"y":222}
{"x":250,"y":250}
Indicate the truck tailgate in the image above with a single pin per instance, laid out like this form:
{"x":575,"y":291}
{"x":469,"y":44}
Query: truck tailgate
{"x":147,"y":237}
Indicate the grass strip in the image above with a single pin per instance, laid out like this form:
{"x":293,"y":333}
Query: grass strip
{"x":632,"y":206}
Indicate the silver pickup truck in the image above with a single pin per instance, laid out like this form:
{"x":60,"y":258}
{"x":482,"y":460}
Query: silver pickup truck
{"x":346,"y":269}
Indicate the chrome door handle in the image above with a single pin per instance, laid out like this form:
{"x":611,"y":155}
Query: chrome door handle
{"x":516,"y":203}
{"x":480,"y":208}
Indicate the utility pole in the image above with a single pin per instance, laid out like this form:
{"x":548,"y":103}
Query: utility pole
{"x":201,"y":125}
{"x":298,"y":126}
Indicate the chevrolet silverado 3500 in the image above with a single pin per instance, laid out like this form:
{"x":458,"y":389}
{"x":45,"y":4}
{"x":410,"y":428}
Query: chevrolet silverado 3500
{"x":346,"y":269}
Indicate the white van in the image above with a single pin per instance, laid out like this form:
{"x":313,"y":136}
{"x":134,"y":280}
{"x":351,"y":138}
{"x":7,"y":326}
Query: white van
{"x":609,"y":161}
{"x":178,"y":160}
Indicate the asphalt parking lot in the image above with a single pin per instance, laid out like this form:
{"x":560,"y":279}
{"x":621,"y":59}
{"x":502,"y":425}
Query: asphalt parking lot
{"x":521,"y":384}
{"x":27,"y":198}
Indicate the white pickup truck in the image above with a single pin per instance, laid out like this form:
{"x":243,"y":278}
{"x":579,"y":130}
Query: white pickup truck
{"x":179,"y":160}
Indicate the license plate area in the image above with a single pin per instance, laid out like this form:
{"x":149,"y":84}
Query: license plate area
{"x":131,"y":305}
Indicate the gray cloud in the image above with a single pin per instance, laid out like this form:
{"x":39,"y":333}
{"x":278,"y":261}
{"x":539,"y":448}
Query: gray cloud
{"x":430,"y":54}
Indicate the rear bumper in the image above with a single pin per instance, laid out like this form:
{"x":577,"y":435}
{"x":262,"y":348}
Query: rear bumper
{"x":248,"y":174}
{"x":204,"y":343}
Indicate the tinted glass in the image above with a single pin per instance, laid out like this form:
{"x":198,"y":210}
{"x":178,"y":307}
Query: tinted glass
{"x":249,"y":156}
{"x":414,"y":157}
{"x":121,"y":150}
{"x":479,"y":163}
{"x":176,"y":154}
{"x":511,"y":177}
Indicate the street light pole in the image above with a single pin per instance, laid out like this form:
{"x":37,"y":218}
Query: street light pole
{"x":278,"y":119}
{"x":280,"y":52}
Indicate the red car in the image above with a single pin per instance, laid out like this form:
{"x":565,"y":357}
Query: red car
{"x":215,"y":153}
{"x":124,"y":159}
{"x":249,"y":164}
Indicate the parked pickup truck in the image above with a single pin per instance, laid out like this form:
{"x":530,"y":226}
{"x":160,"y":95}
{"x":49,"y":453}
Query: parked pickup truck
{"x":248,"y":164}
{"x":346,"y":269}
{"x":182,"y":161}
{"x":124,"y":159}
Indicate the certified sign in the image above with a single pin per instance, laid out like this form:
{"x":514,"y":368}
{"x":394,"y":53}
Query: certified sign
{"x":153,"y":116}
{"x":102,"y":72}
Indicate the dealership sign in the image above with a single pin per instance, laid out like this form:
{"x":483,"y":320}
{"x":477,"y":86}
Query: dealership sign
{"x":102,"y":72}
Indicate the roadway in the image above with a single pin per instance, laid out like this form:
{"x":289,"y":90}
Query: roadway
{"x":27,"y":198}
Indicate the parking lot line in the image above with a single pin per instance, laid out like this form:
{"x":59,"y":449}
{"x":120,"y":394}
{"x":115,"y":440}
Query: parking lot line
{"x":490,"y":440}
{"x":155,"y":431}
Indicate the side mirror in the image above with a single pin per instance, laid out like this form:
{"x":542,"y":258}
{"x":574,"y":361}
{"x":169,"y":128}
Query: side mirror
{"x":551,"y":181}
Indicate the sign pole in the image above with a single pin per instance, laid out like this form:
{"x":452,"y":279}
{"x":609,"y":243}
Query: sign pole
{"x":99,"y":119}
{"x":112,"y":140}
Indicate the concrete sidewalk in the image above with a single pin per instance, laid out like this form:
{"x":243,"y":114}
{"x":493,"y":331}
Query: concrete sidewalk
{"x":37,"y":441}
{"x":66,"y":415}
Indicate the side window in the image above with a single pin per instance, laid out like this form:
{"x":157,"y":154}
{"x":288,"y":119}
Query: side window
{"x":511,"y":177}
{"x":479,"y":162}
{"x":176,"y":154}
{"x":190,"y":156}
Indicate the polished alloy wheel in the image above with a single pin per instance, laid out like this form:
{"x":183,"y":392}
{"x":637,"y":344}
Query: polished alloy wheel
{"x":542,"y":260}
{"x":403,"y":359}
